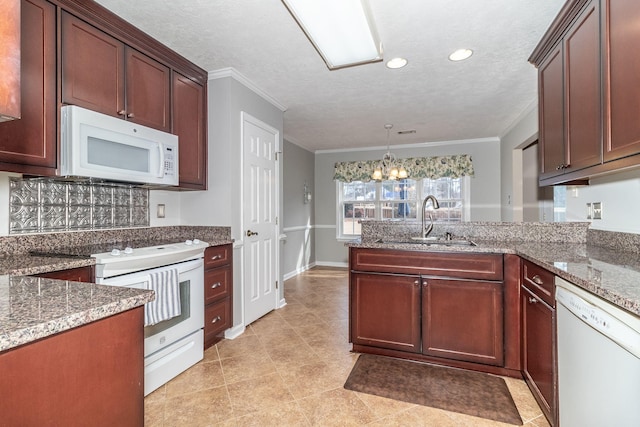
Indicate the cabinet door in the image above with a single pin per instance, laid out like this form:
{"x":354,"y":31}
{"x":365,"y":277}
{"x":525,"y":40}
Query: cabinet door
{"x":29,"y":145}
{"x":463,"y":320}
{"x":582,"y":86}
{"x":621,"y":37}
{"x":148,"y":91}
{"x":551,"y":115}
{"x":189,"y":124}
{"x":538,"y":326}
{"x":385,"y":311}
{"x":92,"y":68}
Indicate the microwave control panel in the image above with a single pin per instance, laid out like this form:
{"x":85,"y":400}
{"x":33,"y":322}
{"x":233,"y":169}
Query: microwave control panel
{"x":169,"y":161}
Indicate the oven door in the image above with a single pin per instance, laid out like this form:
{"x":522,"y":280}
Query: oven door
{"x":191,"y":278}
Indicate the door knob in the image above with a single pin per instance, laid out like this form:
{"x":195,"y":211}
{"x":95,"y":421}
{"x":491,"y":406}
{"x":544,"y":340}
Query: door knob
{"x":251,"y":233}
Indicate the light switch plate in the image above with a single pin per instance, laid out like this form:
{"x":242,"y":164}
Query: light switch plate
{"x":597,"y":210}
{"x":160,"y":212}
{"x":589,"y":211}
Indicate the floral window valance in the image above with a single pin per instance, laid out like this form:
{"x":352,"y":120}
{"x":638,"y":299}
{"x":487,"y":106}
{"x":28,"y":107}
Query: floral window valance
{"x":417,"y":168}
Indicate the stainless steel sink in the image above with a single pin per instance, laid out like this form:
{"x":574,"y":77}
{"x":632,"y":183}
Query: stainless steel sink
{"x":432,"y":241}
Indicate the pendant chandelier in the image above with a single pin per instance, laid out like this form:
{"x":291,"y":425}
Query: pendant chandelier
{"x":389,"y":168}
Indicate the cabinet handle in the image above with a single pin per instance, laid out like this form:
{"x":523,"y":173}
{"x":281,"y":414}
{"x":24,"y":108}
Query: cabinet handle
{"x":130,"y":116}
{"x":121,"y":113}
{"x":537,"y":280}
{"x":216,"y":285}
{"x":558,"y":167}
{"x":532,"y":300}
{"x":215,"y":257}
{"x":216,"y":319}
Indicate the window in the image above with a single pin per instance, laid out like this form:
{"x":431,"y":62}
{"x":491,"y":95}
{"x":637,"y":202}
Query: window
{"x":398,"y":200}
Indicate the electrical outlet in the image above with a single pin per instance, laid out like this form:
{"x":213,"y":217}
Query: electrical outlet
{"x":589,"y":211}
{"x":597,"y":210}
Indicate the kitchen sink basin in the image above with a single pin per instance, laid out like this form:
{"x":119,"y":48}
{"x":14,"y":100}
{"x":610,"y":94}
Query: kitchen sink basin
{"x":432,"y":241}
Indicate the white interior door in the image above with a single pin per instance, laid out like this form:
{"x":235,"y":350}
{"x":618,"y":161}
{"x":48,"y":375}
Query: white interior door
{"x":260,"y":199}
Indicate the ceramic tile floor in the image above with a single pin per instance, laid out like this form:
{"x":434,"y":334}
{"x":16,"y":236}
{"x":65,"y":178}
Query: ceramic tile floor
{"x":288,"y":369}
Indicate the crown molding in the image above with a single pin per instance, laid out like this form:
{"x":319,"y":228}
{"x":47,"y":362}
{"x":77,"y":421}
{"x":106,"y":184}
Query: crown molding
{"x":235,"y":74}
{"x":418,"y":145}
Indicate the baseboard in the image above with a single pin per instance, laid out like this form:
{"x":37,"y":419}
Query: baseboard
{"x":281,"y":303}
{"x":332,"y":264}
{"x":302,"y":269}
{"x":235,"y":332}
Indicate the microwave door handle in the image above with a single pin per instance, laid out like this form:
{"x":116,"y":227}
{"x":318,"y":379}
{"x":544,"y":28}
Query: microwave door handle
{"x":161,"y":166}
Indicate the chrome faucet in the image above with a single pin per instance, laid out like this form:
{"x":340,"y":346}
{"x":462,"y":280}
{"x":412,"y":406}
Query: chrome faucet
{"x":435,"y":205}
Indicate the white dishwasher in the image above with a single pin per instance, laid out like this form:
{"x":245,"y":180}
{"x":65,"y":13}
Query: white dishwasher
{"x":598,"y":361}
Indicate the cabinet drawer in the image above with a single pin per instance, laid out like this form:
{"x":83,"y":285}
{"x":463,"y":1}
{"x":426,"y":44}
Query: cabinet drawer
{"x":539,"y":281}
{"x":459,"y":265}
{"x":215,"y":256}
{"x":217,"y":318}
{"x":216,"y":284}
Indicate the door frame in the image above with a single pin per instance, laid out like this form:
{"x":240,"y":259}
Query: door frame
{"x":248,"y":118}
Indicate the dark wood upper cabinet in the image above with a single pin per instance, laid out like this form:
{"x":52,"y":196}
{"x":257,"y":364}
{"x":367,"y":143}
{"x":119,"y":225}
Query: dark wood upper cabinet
{"x":10,"y":60}
{"x":569,"y":96}
{"x":551,"y":114}
{"x":29,"y":145}
{"x":92,"y":68}
{"x":189,"y":123}
{"x":600,"y":103}
{"x":621,"y":37}
{"x":148,"y":91}
{"x":582,"y":91}
{"x":102,"y":74}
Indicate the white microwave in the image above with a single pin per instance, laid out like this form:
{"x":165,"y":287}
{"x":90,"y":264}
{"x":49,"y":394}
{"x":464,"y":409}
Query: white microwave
{"x":99,"y":146}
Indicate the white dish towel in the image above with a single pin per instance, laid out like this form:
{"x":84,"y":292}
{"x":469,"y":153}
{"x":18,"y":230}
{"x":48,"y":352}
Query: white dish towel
{"x":166,"y":285}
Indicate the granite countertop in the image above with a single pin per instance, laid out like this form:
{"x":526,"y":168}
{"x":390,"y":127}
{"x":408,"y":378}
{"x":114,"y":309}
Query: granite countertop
{"x":32,"y":307}
{"x":608,"y":273}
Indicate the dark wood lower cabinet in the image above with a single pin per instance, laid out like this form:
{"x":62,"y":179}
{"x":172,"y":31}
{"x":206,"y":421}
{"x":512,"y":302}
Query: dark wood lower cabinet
{"x":463,"y":320}
{"x":539,"y":337}
{"x":385,"y":311}
{"x":80,"y":274}
{"x":218,"y":293}
{"x":92,"y":375}
{"x":467,"y":315}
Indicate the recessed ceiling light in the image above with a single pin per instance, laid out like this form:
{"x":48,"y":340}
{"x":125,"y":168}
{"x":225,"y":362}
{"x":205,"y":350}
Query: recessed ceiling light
{"x":460,"y":54}
{"x":396,"y":63}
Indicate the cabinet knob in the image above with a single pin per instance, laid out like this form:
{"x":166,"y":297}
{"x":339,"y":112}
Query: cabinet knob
{"x":537,"y":280}
{"x":215,"y":319}
{"x":532,"y":300}
{"x":130,"y":116}
{"x":216,"y":285}
{"x":121,"y":113}
{"x":417,"y":282}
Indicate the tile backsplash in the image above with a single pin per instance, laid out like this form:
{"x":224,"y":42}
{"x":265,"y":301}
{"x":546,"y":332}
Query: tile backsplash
{"x":44,"y":205}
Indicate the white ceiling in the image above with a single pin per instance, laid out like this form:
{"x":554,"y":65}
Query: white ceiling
{"x":347,"y":108}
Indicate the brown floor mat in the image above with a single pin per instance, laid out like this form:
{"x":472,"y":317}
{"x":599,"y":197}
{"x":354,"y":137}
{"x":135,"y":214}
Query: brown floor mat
{"x":457,"y":390}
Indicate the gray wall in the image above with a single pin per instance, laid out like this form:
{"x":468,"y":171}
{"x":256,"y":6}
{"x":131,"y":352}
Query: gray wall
{"x":298,"y":217}
{"x":522,"y":133}
{"x":221,"y":203}
{"x":484,"y":188}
